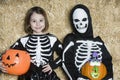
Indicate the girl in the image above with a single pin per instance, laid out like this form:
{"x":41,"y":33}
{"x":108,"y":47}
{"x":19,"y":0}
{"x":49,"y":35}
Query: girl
{"x":40,"y":45}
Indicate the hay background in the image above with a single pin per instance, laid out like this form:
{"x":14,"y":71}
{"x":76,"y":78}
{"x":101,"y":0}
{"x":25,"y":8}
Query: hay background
{"x":105,"y":18}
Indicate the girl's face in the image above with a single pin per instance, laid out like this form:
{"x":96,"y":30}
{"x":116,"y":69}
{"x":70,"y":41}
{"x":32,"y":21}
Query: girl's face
{"x":37,"y":23}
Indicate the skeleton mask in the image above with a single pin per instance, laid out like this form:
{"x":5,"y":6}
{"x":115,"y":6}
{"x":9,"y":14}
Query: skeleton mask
{"x":80,"y":20}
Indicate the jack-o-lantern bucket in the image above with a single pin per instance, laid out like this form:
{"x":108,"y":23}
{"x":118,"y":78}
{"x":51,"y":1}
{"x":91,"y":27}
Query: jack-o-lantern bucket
{"x":96,"y":72}
{"x":16,"y":62}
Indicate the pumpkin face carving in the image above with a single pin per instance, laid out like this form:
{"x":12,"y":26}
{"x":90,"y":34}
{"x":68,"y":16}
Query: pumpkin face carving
{"x":16,"y":62}
{"x":94,"y":72}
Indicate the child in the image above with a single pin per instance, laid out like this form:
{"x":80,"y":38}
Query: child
{"x":81,"y":47}
{"x":40,"y":45}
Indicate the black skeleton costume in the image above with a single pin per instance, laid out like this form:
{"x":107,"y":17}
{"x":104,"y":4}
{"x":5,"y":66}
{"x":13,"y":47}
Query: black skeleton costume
{"x":41,"y":49}
{"x":80,"y":46}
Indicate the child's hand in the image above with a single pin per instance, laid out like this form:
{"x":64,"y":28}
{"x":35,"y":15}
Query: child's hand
{"x":47,"y":68}
{"x":2,"y":68}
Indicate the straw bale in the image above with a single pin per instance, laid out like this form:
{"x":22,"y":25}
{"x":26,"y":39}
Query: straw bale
{"x":105,"y":19}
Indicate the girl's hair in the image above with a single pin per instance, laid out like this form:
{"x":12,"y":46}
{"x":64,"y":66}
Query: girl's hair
{"x":38,"y":10}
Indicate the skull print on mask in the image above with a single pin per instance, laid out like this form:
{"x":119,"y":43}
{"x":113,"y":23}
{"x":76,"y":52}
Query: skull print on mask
{"x":80,"y":20}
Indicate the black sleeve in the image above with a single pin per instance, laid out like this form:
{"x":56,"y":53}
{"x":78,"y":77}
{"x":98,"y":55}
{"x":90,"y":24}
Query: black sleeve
{"x":107,"y":61}
{"x":68,"y":64}
{"x":58,"y":49}
{"x":17,"y":45}
{"x":69,"y":58}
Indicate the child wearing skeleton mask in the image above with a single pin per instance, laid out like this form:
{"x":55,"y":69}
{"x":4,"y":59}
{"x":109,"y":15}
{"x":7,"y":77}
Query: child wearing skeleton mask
{"x":81,"y":47}
{"x":40,"y":45}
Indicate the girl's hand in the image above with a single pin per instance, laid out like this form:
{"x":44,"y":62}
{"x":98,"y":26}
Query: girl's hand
{"x":47,"y":68}
{"x":2,"y":68}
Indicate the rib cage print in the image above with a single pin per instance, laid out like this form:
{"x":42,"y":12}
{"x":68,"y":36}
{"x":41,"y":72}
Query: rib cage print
{"x":39,"y":48}
{"x":84,"y":51}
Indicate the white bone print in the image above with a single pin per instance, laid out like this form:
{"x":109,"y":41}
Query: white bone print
{"x":39,"y":48}
{"x":84,"y":51}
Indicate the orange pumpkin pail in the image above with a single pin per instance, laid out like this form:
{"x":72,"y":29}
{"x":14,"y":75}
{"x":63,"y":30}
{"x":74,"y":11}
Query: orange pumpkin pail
{"x":94,"y":72}
{"x":16,"y":62}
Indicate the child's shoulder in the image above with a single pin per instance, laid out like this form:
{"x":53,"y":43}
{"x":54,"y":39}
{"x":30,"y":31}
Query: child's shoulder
{"x":52,"y":37}
{"x":69,"y":36}
{"x":25,"y":37}
{"x":98,"y":38}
